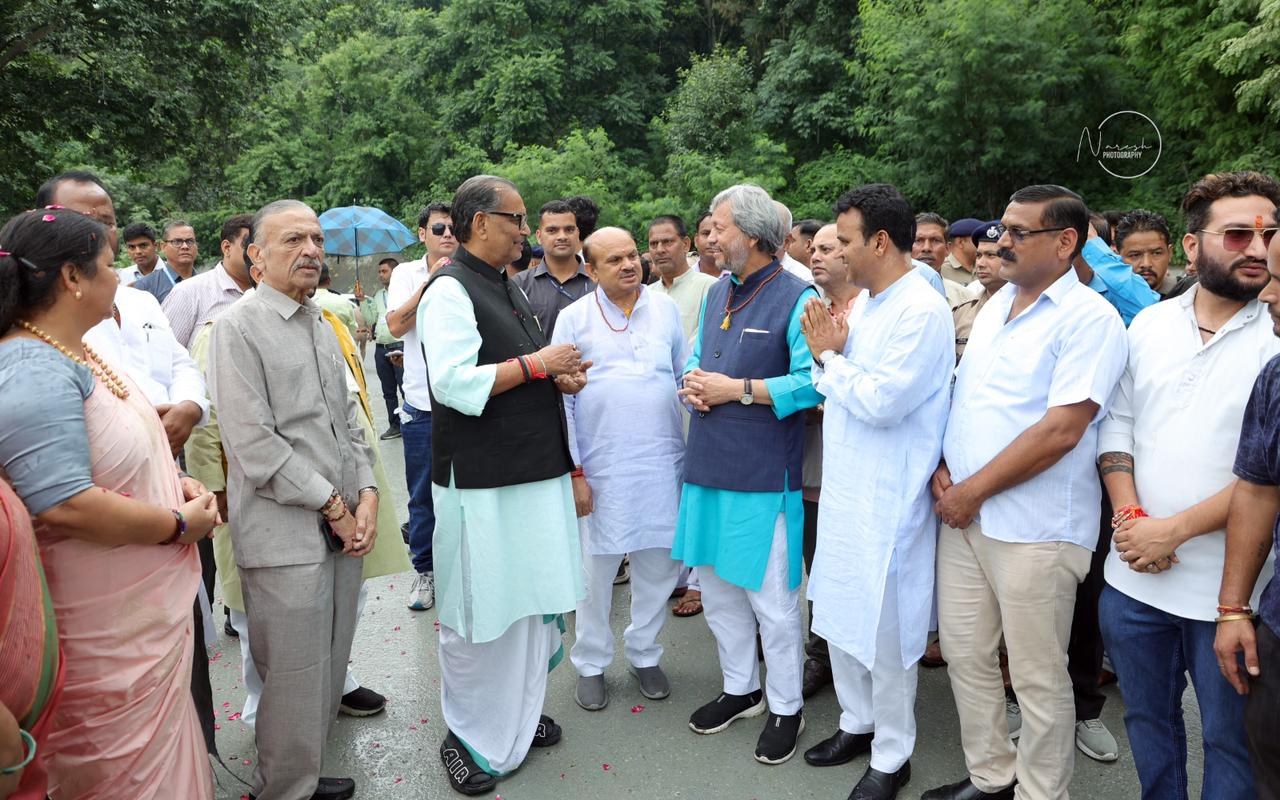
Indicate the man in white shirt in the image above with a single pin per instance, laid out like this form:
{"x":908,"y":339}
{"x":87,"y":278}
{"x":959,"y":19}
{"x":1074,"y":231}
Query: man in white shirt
{"x":140,"y":243}
{"x":404,"y":293}
{"x":637,"y":347}
{"x":885,"y":376}
{"x":1180,"y":402}
{"x":1019,"y":492}
{"x":788,"y":263}
{"x":193,"y":302}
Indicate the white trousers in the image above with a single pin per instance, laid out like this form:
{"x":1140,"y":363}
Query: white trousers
{"x":491,"y":694}
{"x":653,"y":578}
{"x":734,"y":615}
{"x":253,"y":681}
{"x":688,"y":579}
{"x":883,"y":698}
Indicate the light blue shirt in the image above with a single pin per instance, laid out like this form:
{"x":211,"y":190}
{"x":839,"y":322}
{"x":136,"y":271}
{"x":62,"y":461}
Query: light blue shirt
{"x":1116,"y":281}
{"x":931,"y":275}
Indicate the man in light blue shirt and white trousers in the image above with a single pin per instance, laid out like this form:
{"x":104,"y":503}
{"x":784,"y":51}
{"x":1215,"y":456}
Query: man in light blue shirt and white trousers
{"x":1019,"y":490}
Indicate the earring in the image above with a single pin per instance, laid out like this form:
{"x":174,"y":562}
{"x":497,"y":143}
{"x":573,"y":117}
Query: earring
{"x":79,"y":294}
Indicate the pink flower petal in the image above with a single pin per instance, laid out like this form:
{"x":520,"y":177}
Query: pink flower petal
{"x":48,"y":218}
{"x":607,"y":767}
{"x":637,"y":709}
{"x":246,"y":762}
{"x":234,"y":716}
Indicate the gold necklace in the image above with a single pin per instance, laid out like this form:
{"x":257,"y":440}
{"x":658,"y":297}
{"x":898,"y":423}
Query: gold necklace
{"x":103,"y":372}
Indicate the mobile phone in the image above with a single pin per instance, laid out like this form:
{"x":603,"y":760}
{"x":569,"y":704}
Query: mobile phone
{"x":331,"y":539}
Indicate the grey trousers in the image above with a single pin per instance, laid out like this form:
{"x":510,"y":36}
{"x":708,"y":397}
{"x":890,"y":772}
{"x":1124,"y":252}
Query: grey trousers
{"x":301,"y":622}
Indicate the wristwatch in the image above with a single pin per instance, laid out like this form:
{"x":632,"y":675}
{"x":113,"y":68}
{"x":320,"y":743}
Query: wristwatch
{"x":825,"y":356}
{"x":747,"y":397}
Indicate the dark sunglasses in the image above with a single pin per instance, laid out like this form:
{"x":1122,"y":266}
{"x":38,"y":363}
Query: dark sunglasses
{"x":439,"y":228}
{"x":1238,"y":239}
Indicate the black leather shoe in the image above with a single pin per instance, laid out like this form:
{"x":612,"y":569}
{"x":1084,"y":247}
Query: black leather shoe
{"x":329,"y":789}
{"x":464,"y":773}
{"x":877,"y":785}
{"x":230,"y":631}
{"x":839,"y":748}
{"x":817,"y":676}
{"x":965,"y":790}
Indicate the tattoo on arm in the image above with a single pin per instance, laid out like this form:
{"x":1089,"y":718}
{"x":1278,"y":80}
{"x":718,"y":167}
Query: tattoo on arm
{"x":1115,"y":461}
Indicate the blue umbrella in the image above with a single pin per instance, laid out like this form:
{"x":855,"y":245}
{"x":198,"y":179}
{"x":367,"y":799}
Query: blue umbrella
{"x":361,"y":230}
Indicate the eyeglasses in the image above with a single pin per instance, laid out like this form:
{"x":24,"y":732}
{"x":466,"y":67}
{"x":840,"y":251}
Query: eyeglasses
{"x":519,"y":219}
{"x":181,"y":242}
{"x":439,"y":228}
{"x":1020,"y":235}
{"x":1238,"y":239}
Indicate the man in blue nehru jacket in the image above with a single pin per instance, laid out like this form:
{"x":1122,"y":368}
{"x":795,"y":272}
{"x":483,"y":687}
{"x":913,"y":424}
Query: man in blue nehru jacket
{"x":741,"y":518}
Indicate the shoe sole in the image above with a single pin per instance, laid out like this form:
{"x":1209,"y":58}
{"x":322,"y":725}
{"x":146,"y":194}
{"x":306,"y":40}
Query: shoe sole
{"x":656,"y":696}
{"x":787,"y":757}
{"x":421,"y":607}
{"x":754,"y":711}
{"x":1106,"y":759}
{"x":585,"y":706}
{"x":361,"y":712}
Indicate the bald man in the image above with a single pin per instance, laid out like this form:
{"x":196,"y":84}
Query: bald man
{"x":626,"y":433}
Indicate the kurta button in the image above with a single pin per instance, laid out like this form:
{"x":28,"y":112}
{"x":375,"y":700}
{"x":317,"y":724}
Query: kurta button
{"x":717,"y":354}
{"x":702,"y":413}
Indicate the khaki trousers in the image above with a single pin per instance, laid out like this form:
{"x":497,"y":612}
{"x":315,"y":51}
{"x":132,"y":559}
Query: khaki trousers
{"x":1027,"y":592}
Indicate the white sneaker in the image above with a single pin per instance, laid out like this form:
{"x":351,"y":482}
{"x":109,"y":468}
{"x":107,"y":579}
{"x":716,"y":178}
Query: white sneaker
{"x":1095,"y":741}
{"x":1013,"y":716}
{"x":423,"y":593}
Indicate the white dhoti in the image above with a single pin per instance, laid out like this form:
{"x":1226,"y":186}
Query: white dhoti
{"x":653,"y":578}
{"x":880,"y":699}
{"x":492,"y":692}
{"x":734,"y":615}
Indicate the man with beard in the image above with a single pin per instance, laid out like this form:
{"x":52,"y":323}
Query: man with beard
{"x":562,"y":277}
{"x":1253,"y":537}
{"x":740,"y":509}
{"x":1142,"y":240}
{"x":1192,"y":363}
{"x":668,"y":246}
{"x":506,"y":539}
{"x":180,"y":251}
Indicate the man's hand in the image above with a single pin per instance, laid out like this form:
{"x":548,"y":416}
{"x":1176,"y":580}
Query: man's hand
{"x":1145,"y":541}
{"x":941,"y":480}
{"x":1234,"y":639}
{"x":366,"y":525}
{"x":178,"y":420}
{"x":191,"y":488}
{"x":345,"y":527}
{"x":959,"y":504}
{"x":583,"y":501}
{"x":705,"y":390}
{"x":573,"y":382}
{"x":396,"y":357}
{"x":559,"y":359}
{"x":821,"y":332}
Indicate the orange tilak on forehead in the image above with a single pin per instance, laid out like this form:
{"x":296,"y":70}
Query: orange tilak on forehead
{"x":1257,"y":222}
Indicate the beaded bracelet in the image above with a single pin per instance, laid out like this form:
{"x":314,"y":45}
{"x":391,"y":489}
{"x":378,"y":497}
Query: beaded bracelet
{"x":1235,"y":610}
{"x":577,"y":473}
{"x":179,"y":527}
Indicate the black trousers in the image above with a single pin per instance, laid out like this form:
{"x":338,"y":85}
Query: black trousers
{"x":391,"y":376}
{"x":1262,"y":716}
{"x":816,"y":646}
{"x":201,"y":688}
{"x":1084,"y":650}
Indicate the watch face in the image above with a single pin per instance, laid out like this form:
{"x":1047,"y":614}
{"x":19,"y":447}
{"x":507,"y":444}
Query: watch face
{"x":747,"y":399}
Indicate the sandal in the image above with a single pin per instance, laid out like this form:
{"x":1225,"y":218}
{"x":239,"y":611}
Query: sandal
{"x":465,"y":775}
{"x":690,"y":605}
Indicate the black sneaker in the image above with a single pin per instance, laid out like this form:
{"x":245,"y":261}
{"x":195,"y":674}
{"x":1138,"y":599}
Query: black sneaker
{"x":404,"y":532}
{"x":392,"y":432}
{"x":464,"y":773}
{"x":548,"y":732}
{"x":725,"y":709}
{"x":777,"y":742}
{"x":362,"y":702}
{"x":328,"y":789}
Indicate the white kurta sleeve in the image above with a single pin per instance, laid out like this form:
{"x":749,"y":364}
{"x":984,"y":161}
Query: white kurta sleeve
{"x":447,"y":327}
{"x":566,"y":332}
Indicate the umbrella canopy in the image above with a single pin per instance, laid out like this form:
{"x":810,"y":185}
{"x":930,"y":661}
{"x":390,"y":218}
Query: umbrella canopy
{"x":361,"y":230}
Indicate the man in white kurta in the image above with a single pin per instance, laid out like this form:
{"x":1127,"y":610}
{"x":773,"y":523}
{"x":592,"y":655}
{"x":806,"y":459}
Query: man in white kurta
{"x":626,"y":434}
{"x":885,"y":376}
{"x":507,"y":558}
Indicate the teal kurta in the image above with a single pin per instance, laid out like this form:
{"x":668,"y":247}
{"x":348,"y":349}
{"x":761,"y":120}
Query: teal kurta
{"x":733,"y":531}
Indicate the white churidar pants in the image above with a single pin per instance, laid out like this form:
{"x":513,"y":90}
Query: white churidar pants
{"x":653,"y":578}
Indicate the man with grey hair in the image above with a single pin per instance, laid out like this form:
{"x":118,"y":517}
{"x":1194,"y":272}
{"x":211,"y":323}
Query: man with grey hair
{"x":302,"y":496}
{"x":741,"y":518}
{"x":508,"y":561}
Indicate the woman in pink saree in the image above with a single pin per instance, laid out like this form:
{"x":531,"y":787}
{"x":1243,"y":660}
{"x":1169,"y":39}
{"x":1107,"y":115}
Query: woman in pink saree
{"x":114,"y":523}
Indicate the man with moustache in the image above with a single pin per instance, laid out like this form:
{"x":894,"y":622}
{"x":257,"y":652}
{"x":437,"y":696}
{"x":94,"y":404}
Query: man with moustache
{"x":1142,"y":240}
{"x":1246,"y":643}
{"x":831,"y":276}
{"x":931,"y":247}
{"x":561,"y":278}
{"x":1018,"y":491}
{"x":1192,"y":364}
{"x":626,"y":429}
{"x":741,"y":514}
{"x":302,"y":495}
{"x":885,"y":377}
{"x":668,"y":245}
{"x":180,"y":251}
{"x":710,"y":260}
{"x":986,"y":270}
{"x":958,"y":266}
{"x":507,"y":547}
{"x":404,"y":293}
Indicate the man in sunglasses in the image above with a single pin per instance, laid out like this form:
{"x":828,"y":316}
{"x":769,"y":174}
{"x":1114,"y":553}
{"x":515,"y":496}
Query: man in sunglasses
{"x":1192,"y":364}
{"x":408,"y":280}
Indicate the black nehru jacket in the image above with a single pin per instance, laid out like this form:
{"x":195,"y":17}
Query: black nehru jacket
{"x":522,"y":436}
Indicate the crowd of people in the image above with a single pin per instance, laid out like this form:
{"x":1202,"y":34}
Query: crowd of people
{"x":1029,"y":435}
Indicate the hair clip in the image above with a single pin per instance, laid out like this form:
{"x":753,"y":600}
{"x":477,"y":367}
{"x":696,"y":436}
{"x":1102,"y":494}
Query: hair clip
{"x":4,"y":253}
{"x":48,"y":218}
{"x":54,"y":207}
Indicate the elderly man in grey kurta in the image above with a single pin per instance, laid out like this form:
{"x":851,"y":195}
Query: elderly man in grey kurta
{"x":302,"y":499}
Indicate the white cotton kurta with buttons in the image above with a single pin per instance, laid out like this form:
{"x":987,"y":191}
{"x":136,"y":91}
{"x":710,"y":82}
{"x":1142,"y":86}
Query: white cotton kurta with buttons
{"x":884,"y":414}
{"x":626,"y":427}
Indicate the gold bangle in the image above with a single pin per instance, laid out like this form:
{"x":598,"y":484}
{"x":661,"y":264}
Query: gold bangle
{"x":1233,"y":617}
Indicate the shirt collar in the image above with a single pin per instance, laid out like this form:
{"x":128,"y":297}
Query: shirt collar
{"x":284,"y":305}
{"x":1059,"y":288}
{"x":224,"y":280}
{"x":1242,"y":317}
{"x":541,"y":270}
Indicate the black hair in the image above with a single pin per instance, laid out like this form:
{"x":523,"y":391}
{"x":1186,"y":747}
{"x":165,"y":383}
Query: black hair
{"x":235,"y":224}
{"x":1102,"y":225}
{"x":424,"y":216}
{"x":701,"y":217}
{"x":883,"y":208}
{"x":137,"y":230}
{"x":670,"y":219}
{"x":809,"y":227}
{"x":37,"y":244}
{"x":44,"y":195}
{"x":557,"y":207}
{"x":586,"y":212}
{"x":325,"y":276}
{"x":1063,"y":208}
{"x":1139,"y":220}
{"x":389,"y":260}
{"x":1215,"y":186}
{"x":477,"y":194}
